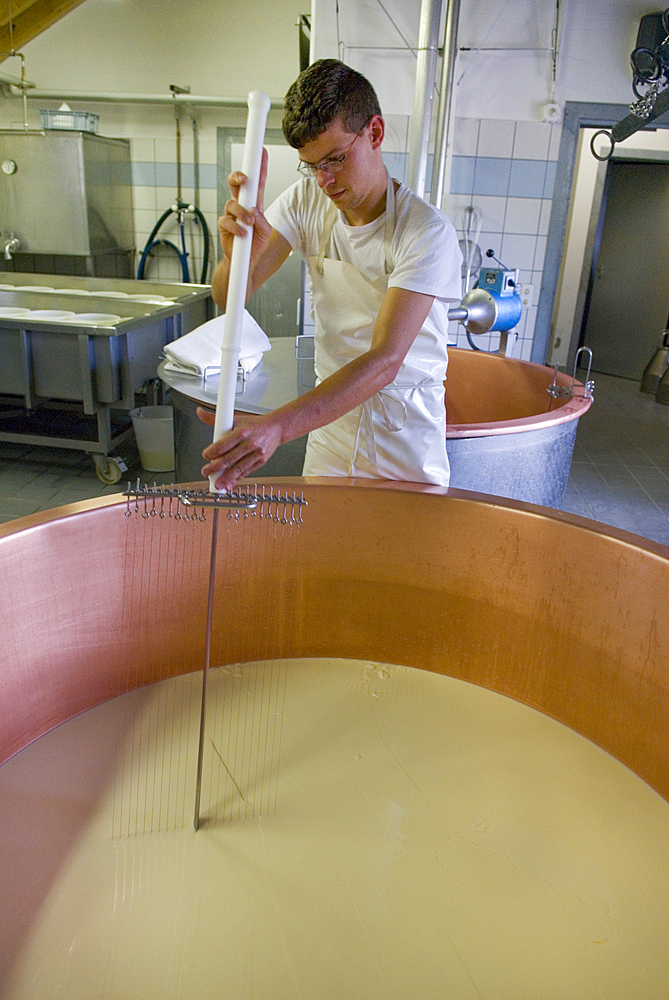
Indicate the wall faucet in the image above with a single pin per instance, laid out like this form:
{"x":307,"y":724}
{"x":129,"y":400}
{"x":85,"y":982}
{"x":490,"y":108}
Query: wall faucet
{"x":10,"y":244}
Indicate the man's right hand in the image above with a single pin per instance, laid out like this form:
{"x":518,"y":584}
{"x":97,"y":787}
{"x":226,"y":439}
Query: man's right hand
{"x":229,"y":223}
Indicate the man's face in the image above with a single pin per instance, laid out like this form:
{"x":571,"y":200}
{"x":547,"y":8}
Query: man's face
{"x":348,"y":183}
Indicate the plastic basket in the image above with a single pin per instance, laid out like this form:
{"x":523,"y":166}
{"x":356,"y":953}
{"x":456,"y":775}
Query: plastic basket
{"x":77,"y":121}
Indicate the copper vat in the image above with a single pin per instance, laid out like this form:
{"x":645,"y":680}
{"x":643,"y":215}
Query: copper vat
{"x":555,"y":611}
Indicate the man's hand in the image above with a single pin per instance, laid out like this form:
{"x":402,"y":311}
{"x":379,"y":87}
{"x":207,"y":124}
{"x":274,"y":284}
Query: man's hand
{"x":268,"y":250}
{"x":239,"y":452}
{"x":229,"y":223}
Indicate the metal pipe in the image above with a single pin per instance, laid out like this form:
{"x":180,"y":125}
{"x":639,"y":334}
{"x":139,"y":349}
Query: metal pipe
{"x":445,"y":109}
{"x":104,"y":97}
{"x":422,"y":109}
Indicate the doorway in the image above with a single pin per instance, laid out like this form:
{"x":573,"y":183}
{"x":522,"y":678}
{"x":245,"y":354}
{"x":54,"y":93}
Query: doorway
{"x":628,"y":295}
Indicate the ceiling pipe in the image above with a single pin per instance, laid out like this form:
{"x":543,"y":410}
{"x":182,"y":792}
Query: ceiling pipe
{"x":122,"y":98}
{"x":430,"y":14}
{"x":445,"y":109}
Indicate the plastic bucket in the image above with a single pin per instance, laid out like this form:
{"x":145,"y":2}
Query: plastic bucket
{"x":154,"y":431}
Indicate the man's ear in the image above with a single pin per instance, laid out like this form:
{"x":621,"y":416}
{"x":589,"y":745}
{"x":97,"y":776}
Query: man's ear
{"x":377,"y":131}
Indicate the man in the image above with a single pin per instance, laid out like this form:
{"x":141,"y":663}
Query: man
{"x":383,"y":266}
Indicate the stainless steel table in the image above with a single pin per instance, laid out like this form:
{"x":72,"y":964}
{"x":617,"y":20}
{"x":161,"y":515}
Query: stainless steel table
{"x":280,"y":377}
{"x":74,"y":351}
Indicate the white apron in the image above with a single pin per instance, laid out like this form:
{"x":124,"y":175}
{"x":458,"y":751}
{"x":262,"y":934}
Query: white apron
{"x":400,"y":433}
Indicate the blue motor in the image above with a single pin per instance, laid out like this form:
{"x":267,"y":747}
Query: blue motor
{"x":493,"y":304}
{"x":501,"y":285}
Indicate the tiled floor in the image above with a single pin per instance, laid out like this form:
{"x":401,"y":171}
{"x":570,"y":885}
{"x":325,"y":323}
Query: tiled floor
{"x":33,"y":479}
{"x":619,"y":473}
{"x":620,"y":467}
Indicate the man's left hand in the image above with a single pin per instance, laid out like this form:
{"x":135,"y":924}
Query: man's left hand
{"x":239,"y":452}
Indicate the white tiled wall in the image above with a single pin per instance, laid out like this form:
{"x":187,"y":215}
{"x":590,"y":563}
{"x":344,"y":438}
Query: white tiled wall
{"x":505,"y":170}
{"x":154,"y":160}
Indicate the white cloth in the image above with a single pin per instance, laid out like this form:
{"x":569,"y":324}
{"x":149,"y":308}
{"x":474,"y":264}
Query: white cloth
{"x":201,"y":348}
{"x":400,"y":433}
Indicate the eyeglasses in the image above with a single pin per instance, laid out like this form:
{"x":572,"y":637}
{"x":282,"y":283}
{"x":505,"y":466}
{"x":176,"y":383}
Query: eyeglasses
{"x":329,"y":166}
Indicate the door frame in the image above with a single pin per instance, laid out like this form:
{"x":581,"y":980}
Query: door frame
{"x":577,"y":115}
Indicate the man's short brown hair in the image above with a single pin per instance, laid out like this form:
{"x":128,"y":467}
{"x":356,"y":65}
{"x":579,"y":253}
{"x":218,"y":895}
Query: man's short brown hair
{"x":323,"y":92}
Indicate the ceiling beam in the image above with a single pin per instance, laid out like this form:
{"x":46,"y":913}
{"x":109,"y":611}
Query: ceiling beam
{"x":29,"y":19}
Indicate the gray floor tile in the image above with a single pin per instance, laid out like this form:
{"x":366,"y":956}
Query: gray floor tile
{"x":13,"y":508}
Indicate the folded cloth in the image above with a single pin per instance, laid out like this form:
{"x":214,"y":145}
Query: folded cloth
{"x":201,"y":348}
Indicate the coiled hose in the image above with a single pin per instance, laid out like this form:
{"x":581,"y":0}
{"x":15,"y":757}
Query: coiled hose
{"x":179,"y":208}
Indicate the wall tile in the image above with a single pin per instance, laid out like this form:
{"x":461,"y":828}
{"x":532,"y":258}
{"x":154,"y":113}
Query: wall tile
{"x":522,"y":215}
{"x":465,"y":136}
{"x":532,"y":141}
{"x":208,"y":199}
{"x":530,"y":322}
{"x":455,"y":206}
{"x":545,"y":217}
{"x":396,"y":139}
{"x":525,"y":353}
{"x":496,"y":138}
{"x":144,"y":197}
{"x":462,"y":174}
{"x":143,"y":173}
{"x":554,"y":147}
{"x":166,"y":150}
{"x":527,"y":179}
{"x":142,"y":149}
{"x":535,"y":279}
{"x":208,"y":177}
{"x":539,"y":253}
{"x":493,"y":210}
{"x":518,"y":251}
{"x":549,"y":183}
{"x":492,"y":241}
{"x":166,"y":176}
{"x":207,"y":151}
{"x":491,"y":176}
{"x":145,"y":220}
{"x":396,"y":164}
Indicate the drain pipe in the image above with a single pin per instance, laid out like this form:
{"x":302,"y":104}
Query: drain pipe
{"x":445,"y":110}
{"x":430,"y":14}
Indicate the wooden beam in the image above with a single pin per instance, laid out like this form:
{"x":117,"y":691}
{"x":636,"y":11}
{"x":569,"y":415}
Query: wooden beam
{"x":17,"y":7}
{"x":30,"y":18}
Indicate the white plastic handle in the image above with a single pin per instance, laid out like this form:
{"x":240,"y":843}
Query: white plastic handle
{"x":259,"y":105}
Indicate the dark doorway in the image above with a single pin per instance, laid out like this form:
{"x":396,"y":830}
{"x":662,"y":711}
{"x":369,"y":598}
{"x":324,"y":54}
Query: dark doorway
{"x":628,"y":298}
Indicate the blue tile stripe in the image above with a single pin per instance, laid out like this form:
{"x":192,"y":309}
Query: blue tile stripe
{"x":483,"y":175}
{"x":503,"y":177}
{"x":149,"y":174}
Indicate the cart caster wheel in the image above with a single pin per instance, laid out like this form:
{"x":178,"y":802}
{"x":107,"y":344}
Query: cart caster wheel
{"x":107,"y":470}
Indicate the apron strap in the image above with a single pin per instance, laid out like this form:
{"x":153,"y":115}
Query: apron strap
{"x":331,"y":218}
{"x":394,"y":413}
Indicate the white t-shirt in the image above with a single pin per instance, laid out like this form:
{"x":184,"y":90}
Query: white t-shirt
{"x":424,"y":248}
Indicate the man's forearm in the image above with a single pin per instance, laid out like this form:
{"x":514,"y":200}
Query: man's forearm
{"x":336,"y":395}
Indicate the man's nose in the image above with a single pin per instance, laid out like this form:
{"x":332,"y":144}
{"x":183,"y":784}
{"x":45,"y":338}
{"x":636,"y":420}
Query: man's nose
{"x":324,"y":176}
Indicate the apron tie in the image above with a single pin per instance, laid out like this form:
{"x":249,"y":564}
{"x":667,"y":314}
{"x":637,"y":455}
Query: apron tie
{"x":393,"y":411}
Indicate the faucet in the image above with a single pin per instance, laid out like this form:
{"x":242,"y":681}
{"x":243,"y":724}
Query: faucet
{"x":10,"y":244}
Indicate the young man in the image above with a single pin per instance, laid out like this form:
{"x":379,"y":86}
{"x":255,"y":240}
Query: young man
{"x":383,"y":266}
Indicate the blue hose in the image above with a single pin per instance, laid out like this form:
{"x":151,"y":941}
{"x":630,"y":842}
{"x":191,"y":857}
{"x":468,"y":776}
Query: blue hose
{"x":182,"y":254}
{"x":149,"y":247}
